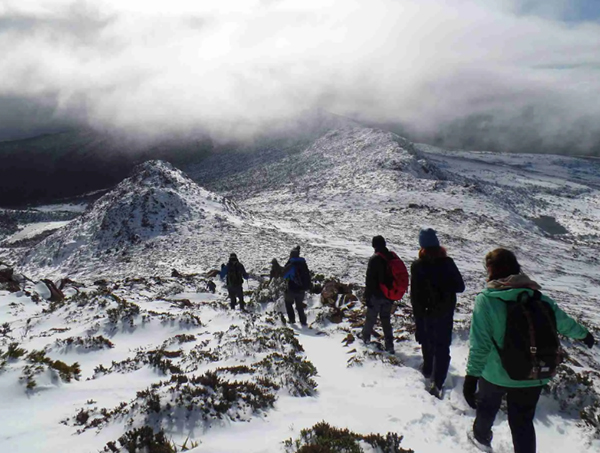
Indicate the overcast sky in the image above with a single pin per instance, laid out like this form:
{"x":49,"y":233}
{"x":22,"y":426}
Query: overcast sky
{"x":506,"y":70}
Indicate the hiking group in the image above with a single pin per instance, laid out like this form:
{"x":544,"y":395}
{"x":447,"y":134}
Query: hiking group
{"x":295,"y":273}
{"x":514,"y":345}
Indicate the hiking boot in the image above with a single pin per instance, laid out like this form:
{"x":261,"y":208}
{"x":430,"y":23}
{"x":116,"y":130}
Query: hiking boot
{"x":481,"y":444}
{"x":390,"y":349}
{"x":362,"y":338}
{"x":436,"y":391}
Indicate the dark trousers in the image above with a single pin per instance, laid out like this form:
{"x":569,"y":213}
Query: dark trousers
{"x":235,"y":293}
{"x":521,"y":411}
{"x":435,"y":338}
{"x":382,"y":307}
{"x":297,"y":298}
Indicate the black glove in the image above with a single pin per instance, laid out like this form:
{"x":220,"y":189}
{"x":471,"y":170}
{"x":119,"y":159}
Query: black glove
{"x":469,"y":389}
{"x":589,"y":340}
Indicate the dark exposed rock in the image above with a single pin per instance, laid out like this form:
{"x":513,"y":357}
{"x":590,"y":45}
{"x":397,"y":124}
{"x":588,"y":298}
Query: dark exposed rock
{"x":56,"y":295}
{"x":212,"y":273}
{"x":64,"y":282}
{"x":332,"y":289}
{"x":8,"y":281}
{"x":6,"y":275}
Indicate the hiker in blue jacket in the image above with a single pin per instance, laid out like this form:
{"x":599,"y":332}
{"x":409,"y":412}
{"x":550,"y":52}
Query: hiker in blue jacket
{"x":297,"y":275}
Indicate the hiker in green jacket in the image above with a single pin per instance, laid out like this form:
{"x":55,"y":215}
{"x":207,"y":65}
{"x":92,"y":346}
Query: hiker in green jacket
{"x":485,"y":373}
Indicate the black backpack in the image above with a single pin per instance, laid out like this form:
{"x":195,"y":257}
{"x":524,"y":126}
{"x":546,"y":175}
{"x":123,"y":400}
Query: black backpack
{"x":297,"y":276}
{"x":531,"y":348}
{"x":300,"y":276}
{"x":234,"y":274}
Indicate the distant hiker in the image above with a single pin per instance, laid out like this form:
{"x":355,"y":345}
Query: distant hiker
{"x":298,"y":282}
{"x":234,"y":274}
{"x":434,"y":282}
{"x":514,"y":350}
{"x":276,"y":270}
{"x":387,"y":281}
{"x":175,"y":273}
{"x":210,"y":285}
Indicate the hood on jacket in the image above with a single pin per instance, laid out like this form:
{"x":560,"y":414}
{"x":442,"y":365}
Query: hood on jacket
{"x":297,"y":259}
{"x":513,"y":282}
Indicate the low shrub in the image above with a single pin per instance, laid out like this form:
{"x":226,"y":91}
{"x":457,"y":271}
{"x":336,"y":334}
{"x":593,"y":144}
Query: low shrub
{"x":324,"y":438}
{"x":144,"y":439}
{"x":14,"y":351}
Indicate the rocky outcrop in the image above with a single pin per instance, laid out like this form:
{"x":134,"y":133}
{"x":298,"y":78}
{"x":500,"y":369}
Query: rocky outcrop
{"x":333,"y":289}
{"x":8,"y":281}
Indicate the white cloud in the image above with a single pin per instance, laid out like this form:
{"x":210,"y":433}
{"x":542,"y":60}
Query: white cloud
{"x":240,"y":65}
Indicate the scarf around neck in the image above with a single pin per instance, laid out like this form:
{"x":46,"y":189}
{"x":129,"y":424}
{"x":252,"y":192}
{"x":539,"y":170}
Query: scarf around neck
{"x":514,"y":281}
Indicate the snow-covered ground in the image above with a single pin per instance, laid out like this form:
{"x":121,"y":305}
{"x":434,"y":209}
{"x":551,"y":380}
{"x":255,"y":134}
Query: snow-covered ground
{"x":34,"y":229}
{"x":330,"y":198}
{"x":64,"y":207}
{"x":356,"y":388}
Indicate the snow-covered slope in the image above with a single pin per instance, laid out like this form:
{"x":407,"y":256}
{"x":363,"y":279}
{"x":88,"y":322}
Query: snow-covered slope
{"x":146,"y":211}
{"x":181,"y":362}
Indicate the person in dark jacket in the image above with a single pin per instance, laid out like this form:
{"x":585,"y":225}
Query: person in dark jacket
{"x":297,"y":275}
{"x":234,"y":274}
{"x":377,"y":303}
{"x":434,"y":282}
{"x":505,"y":284}
{"x":276,"y":270}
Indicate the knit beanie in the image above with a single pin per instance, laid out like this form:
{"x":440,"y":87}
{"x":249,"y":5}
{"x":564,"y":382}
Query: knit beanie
{"x":428,"y":238}
{"x":378,"y":242}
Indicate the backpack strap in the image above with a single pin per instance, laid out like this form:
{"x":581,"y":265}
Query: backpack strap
{"x":388,"y":270}
{"x":523,"y":298}
{"x":537,"y":297}
{"x":497,"y":347}
{"x":287,"y":271}
{"x":385,"y":258}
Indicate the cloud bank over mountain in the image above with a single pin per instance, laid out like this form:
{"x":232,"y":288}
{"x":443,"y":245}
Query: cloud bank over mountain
{"x":501,"y":74}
